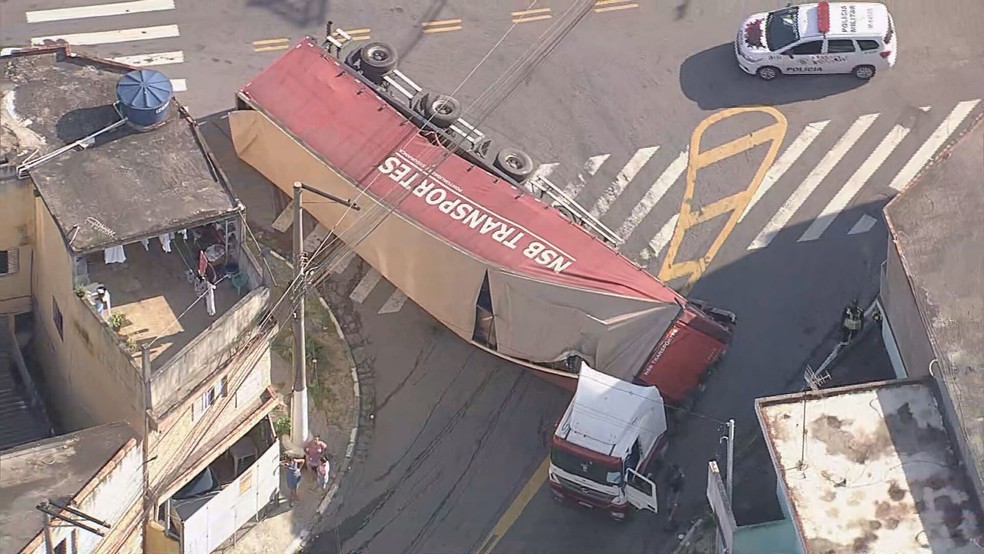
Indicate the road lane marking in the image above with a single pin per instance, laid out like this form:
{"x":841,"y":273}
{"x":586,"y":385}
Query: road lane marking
{"x":604,"y":6}
{"x":787,"y":159}
{"x":271,"y":44}
{"x":652,"y":196}
{"x":99,"y":10}
{"x":659,"y":241}
{"x":394,"y":302}
{"x":365,"y":286}
{"x":863,"y":225}
{"x":441,"y":25}
{"x":812,"y":181}
{"x":359,"y":34}
{"x":179,"y":85}
{"x":589,"y":168}
{"x":112,"y":37}
{"x":691,"y":215}
{"x":935,"y":141}
{"x":526,"y":16}
{"x":853,"y":185}
{"x":515,"y":509}
{"x":146,"y":60}
{"x":622,"y":180}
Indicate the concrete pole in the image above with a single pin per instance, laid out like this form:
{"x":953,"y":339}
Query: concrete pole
{"x":731,"y":458}
{"x":299,"y":402}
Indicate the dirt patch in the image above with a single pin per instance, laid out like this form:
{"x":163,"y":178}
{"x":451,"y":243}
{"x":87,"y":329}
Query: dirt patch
{"x":331,"y":395}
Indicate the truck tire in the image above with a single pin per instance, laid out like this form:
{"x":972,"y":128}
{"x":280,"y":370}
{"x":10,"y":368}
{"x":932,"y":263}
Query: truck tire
{"x":442,"y":110}
{"x":377,"y":59}
{"x":515,"y":163}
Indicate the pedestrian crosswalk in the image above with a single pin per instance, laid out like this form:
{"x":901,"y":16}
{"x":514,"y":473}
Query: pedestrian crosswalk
{"x":60,"y":26}
{"x":825,"y":168}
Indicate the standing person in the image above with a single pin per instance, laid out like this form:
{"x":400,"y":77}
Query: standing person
{"x":676,"y":491}
{"x":313,"y":451}
{"x":324,"y":470}
{"x":293,"y":479}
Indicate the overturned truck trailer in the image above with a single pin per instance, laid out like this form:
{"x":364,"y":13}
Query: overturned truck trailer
{"x":496,"y":265}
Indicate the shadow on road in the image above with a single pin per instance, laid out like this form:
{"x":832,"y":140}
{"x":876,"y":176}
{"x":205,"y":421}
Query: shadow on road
{"x":302,"y":13}
{"x":713,"y":80}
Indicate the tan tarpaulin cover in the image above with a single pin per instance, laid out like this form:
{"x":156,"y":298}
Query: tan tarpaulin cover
{"x":534,"y":320}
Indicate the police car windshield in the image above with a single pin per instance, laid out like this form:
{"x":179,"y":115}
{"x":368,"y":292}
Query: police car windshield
{"x":782,"y":28}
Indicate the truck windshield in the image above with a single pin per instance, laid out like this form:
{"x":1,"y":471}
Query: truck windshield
{"x":583,"y":467}
{"x":782,"y":28}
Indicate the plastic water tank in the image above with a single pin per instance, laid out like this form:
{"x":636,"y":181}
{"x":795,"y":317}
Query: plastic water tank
{"x":144,"y":96}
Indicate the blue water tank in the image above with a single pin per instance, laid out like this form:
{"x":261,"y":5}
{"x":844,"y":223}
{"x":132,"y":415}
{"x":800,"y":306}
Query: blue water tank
{"x":144,"y":96}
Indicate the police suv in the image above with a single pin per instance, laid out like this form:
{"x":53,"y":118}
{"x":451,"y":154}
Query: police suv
{"x":856,"y":38}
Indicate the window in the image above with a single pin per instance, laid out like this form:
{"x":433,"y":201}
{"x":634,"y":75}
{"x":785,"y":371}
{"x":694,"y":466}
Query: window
{"x":868,"y":44}
{"x":208,"y":398}
{"x":59,"y":320}
{"x":807,"y":48}
{"x":840,"y":46}
{"x":782,"y":28}
{"x":9,"y":261}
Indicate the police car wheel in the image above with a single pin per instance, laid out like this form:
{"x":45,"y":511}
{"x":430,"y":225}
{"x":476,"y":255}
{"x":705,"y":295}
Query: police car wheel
{"x":864,"y":72}
{"x":767,"y":73}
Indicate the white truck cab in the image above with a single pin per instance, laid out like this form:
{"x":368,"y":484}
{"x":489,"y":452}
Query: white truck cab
{"x":850,"y":37}
{"x":608,"y":435}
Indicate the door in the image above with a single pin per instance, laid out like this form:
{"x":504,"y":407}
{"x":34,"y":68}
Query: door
{"x":640,"y":491}
{"x":803,"y":58}
{"x":841,"y":55}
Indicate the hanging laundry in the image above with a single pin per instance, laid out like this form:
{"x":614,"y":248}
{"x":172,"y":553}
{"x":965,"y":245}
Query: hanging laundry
{"x":210,"y":298}
{"x":146,"y":244}
{"x":166,"y":241}
{"x":184,"y":233}
{"x":114,"y":255}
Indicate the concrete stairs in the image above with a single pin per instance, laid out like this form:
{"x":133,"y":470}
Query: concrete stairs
{"x":20,"y":423}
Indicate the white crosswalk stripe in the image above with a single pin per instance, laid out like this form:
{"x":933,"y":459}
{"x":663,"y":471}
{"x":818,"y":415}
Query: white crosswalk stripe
{"x":652,"y":196}
{"x":100,"y":10}
{"x":590,"y":167}
{"x":779,"y":180}
{"x":130,"y":37}
{"x":622,"y":180}
{"x":812,"y":181}
{"x":854,"y":184}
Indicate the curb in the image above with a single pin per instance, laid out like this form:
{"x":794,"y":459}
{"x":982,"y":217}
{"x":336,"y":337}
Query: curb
{"x":298,"y":542}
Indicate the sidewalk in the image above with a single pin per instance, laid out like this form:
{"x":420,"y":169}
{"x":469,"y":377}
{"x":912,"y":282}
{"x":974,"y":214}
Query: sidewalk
{"x":333,"y":385}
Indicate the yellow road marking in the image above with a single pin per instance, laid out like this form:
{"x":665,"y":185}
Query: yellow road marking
{"x":607,"y":2}
{"x":270,"y":41}
{"x":515,"y":509}
{"x":364,"y":30}
{"x":440,"y":22}
{"x":615,"y":8}
{"x":533,"y":18}
{"x":442,"y":29}
{"x":521,"y":13}
{"x":691,"y":216}
{"x":271,"y":48}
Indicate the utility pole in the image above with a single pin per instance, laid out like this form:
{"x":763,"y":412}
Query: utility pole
{"x":731,"y":458}
{"x":299,"y":400}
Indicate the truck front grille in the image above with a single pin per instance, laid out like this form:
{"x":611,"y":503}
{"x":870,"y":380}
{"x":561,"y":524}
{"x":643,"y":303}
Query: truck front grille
{"x":590,"y":494}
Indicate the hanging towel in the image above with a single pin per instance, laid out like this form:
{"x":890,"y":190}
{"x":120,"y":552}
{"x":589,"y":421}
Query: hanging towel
{"x":146,"y":244}
{"x":166,"y":241}
{"x":114,"y":255}
{"x":184,"y":233}
{"x":210,"y":298}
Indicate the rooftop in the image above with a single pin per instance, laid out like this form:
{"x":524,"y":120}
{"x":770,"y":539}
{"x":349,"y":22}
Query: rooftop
{"x":128,"y":185}
{"x":870,"y":468}
{"x":936,"y":223}
{"x":51,"y":469}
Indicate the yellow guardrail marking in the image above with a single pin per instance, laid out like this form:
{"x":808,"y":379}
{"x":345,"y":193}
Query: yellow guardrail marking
{"x":691,"y":216}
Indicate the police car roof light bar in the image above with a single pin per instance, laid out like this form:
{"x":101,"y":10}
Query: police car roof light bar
{"x":823,"y":17}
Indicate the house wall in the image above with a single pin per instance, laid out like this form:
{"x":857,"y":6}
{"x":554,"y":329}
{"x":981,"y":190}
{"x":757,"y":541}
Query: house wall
{"x":181,"y":435}
{"x":113,"y":495}
{"x":17,"y":233}
{"x":204,"y":355}
{"x":903,"y":317}
{"x":82,"y":362}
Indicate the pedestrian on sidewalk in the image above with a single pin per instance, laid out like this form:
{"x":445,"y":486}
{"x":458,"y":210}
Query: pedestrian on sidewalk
{"x":293,"y":479}
{"x":323,"y":471}
{"x":676,"y":491}
{"x":313,"y":451}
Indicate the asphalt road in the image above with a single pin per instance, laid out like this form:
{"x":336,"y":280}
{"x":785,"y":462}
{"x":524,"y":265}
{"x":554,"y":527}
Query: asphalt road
{"x":457,"y":433}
